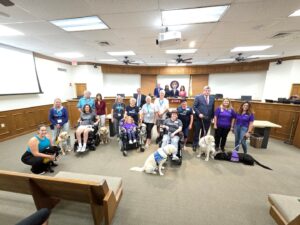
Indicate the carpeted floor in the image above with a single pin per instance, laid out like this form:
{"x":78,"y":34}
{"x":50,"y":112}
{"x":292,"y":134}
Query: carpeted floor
{"x":198,"y":192}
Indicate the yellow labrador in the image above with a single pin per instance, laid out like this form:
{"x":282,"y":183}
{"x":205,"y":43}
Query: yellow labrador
{"x":207,"y":147}
{"x":63,"y":141}
{"x":104,"y":135}
{"x":156,"y":160}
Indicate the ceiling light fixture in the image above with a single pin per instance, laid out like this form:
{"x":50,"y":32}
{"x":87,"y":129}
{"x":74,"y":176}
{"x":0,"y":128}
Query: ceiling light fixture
{"x":181,"y":51}
{"x":69,"y":55}
{"x":6,"y":31}
{"x":296,"y":13}
{"x":192,"y":44}
{"x":250,"y":48}
{"x":81,"y":24}
{"x":225,"y":60}
{"x":124,"y":53}
{"x":261,"y":56}
{"x":194,"y":15}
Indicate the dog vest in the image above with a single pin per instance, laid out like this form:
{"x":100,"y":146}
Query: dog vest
{"x":159,"y":156}
{"x":234,"y":156}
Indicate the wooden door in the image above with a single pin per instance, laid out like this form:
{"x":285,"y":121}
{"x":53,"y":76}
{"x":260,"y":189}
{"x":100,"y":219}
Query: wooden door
{"x":148,"y":83}
{"x":295,"y":89}
{"x":80,"y":88}
{"x":198,"y":81}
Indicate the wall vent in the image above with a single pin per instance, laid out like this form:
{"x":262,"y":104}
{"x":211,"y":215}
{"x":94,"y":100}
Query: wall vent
{"x":62,"y":69}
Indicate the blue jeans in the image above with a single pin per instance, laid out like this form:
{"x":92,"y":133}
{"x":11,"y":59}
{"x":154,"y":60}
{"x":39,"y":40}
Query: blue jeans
{"x":239,"y":132}
{"x":174,"y":141}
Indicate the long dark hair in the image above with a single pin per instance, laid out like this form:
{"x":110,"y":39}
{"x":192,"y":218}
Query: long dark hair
{"x":83,"y":109}
{"x":249,"y":111}
{"x":182,"y":88}
{"x":97,"y":97}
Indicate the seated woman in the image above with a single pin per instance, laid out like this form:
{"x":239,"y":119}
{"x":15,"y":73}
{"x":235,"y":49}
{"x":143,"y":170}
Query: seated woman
{"x":35,"y":154}
{"x":130,"y":127}
{"x":173,"y":125}
{"x":87,"y":119}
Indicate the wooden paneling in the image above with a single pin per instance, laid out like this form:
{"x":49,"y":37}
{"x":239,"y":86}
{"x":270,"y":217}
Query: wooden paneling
{"x":80,"y":88}
{"x":22,"y":121}
{"x":167,"y":70}
{"x":296,"y":140}
{"x":295,"y":89}
{"x":148,"y":83}
{"x":198,"y":82}
{"x":286,"y":115}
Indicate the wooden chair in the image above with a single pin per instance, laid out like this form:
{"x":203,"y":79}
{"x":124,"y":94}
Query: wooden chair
{"x":285,"y":210}
{"x":48,"y":191}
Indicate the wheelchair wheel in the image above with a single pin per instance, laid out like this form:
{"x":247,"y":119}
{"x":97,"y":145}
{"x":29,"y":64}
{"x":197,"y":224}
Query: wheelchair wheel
{"x":92,"y":148}
{"x":97,"y":140}
{"x":142,"y":149}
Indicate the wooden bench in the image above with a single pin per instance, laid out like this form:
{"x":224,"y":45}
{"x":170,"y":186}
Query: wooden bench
{"x":285,"y":210}
{"x":102,"y":193}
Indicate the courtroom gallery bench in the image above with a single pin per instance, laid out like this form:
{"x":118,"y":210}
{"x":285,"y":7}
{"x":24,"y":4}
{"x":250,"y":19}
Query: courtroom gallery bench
{"x":103,"y":193}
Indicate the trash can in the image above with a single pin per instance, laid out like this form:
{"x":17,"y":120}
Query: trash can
{"x":256,"y":140}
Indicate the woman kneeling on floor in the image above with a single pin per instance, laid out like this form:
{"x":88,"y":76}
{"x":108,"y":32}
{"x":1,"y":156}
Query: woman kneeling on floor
{"x":40,"y":154}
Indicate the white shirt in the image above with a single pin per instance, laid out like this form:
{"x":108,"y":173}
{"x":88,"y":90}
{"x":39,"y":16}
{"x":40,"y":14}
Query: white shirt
{"x":148,"y":111}
{"x":161,"y":106}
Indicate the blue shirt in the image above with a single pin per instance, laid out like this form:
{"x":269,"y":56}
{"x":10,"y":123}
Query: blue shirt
{"x":83,"y":101}
{"x":43,"y":144}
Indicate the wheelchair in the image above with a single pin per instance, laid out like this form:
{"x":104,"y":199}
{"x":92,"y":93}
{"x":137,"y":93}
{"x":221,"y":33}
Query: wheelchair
{"x":141,"y":137}
{"x":93,"y":139}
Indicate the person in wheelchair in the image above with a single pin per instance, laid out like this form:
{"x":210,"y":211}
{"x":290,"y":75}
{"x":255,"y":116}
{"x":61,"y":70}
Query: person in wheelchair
{"x":172,"y":127}
{"x":130,"y":129}
{"x":88,"y":122}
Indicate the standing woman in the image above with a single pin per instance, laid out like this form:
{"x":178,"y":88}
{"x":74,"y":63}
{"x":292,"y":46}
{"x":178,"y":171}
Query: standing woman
{"x":182,"y":92}
{"x":243,"y":125}
{"x":58,"y":116}
{"x":100,"y":109}
{"x":35,"y":152}
{"x":223,"y":123}
{"x":148,"y":116}
{"x":117,"y":113}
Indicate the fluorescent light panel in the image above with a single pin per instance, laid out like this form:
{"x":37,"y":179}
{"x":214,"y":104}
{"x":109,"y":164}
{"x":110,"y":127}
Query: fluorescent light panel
{"x":251,"y":48}
{"x":261,"y":56}
{"x":225,"y":60}
{"x":69,"y":55}
{"x":175,"y":64}
{"x":124,"y":53}
{"x":194,"y":15}
{"x":296,"y":13}
{"x":181,"y":51}
{"x":80,"y":24}
{"x":6,"y":31}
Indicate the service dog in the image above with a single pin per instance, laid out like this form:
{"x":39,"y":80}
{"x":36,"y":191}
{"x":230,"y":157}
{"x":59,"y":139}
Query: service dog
{"x":104,"y":135}
{"x":242,"y":157}
{"x":64,"y":142}
{"x":156,"y":160}
{"x":207,"y":147}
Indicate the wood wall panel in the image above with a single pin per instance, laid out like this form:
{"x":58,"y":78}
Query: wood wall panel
{"x":19,"y":122}
{"x":148,"y":83}
{"x":198,"y":82}
{"x":296,"y":140}
{"x":4,"y":131}
{"x":295,"y":89}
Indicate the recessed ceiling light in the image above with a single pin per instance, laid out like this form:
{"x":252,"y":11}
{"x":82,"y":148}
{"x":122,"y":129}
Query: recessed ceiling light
{"x":69,"y":55}
{"x":192,"y":44}
{"x":296,"y":13}
{"x":225,"y":60}
{"x":251,"y":48}
{"x":261,"y":56}
{"x":80,"y":24}
{"x":194,"y":15}
{"x":108,"y":60}
{"x":181,"y":51}
{"x":124,"y":53}
{"x":6,"y":31}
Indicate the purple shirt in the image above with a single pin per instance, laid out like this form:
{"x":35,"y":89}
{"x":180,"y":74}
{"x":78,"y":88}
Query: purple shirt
{"x":244,"y":119}
{"x":224,"y":118}
{"x":129,"y":126}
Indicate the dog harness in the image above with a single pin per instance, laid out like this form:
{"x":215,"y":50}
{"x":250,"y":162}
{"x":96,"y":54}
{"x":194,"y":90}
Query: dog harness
{"x":159,"y":156}
{"x":234,"y":156}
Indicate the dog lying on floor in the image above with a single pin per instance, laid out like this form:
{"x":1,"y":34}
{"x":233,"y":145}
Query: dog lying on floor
{"x":64,"y":142}
{"x":156,"y":160}
{"x":104,"y":135}
{"x":240,"y":157}
{"x":207,"y":147}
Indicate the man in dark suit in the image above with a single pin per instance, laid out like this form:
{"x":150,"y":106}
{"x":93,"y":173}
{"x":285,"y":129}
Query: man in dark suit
{"x":204,"y":113}
{"x":140,"y":98}
{"x":157,"y":90}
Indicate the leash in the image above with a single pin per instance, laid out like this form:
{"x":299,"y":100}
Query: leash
{"x":57,"y":135}
{"x":203,"y":126}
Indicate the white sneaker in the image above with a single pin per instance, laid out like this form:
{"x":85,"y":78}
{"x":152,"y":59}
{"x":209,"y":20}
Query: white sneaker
{"x":130,"y":141}
{"x":79,"y":148}
{"x":83,"y":148}
{"x":134,"y":141}
{"x":175,"y":157}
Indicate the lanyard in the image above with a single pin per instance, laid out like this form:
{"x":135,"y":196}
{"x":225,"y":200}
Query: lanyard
{"x":148,"y":110}
{"x":161,"y":102}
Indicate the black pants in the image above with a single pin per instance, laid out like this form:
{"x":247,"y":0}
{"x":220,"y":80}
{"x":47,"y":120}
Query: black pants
{"x":149,"y":127}
{"x":38,"y":166}
{"x":37,"y":218}
{"x":198,"y":125}
{"x":221,"y":135}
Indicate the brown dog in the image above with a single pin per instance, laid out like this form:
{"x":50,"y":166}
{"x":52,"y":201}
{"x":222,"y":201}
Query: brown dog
{"x":104,"y":135}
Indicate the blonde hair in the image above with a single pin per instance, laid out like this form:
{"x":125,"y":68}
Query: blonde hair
{"x":55,"y":100}
{"x":229,"y":105}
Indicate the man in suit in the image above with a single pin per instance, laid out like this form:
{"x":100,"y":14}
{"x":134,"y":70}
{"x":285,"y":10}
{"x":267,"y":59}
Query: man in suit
{"x":157,"y":90}
{"x":140,"y":98}
{"x":204,"y":113}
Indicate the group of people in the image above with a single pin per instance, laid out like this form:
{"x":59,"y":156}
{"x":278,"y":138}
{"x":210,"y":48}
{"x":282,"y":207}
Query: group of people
{"x":142,"y":109}
{"x":173,"y":92}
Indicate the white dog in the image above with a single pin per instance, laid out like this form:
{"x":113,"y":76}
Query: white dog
{"x":207,"y":146}
{"x":64,"y":142}
{"x":104,"y":135}
{"x":156,"y":160}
